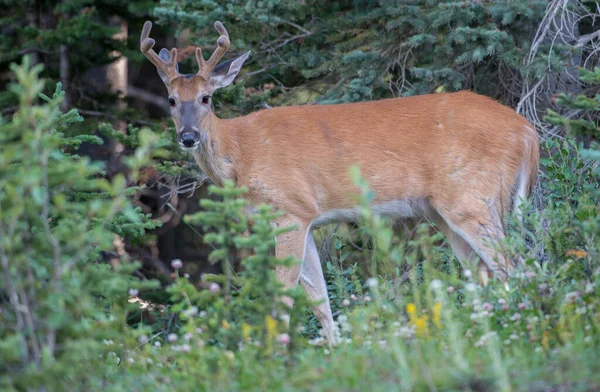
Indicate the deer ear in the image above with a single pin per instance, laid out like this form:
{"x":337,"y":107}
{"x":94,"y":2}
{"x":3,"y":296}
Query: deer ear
{"x":165,"y":55}
{"x":223,"y":74}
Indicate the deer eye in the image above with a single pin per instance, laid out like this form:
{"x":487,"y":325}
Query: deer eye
{"x":205,"y":99}
{"x":171,"y":101}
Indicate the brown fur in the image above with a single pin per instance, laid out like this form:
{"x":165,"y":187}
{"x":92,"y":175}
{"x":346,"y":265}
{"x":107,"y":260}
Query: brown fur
{"x":463,"y":154}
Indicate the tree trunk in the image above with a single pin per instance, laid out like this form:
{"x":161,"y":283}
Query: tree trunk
{"x":65,"y":105}
{"x":117,"y":74}
{"x":33,"y":20}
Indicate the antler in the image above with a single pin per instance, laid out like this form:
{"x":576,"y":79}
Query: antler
{"x":146,"y":45}
{"x":222,"y":45}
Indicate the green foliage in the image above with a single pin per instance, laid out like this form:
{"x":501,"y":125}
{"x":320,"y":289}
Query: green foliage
{"x":81,"y":27}
{"x":430,"y":330}
{"x":365,"y":50}
{"x":63,"y":310}
{"x":239,"y":308}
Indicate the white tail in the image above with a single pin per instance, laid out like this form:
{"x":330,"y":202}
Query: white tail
{"x":457,"y":158}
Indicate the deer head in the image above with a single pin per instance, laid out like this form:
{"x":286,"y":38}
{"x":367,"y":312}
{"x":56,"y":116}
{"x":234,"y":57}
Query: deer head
{"x":189,"y":94}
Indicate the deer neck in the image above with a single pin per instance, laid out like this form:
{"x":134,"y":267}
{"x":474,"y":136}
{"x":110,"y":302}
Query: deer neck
{"x":216,"y":149}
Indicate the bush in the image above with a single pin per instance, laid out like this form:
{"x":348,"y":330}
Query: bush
{"x":63,"y":310}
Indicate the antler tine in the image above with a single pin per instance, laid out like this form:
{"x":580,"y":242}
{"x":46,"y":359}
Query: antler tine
{"x":146,"y":47}
{"x":222,"y":46}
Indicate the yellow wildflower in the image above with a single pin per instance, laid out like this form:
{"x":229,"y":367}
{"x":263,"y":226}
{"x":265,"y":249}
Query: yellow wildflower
{"x":225,"y":324}
{"x":436,"y":313}
{"x":420,"y":322}
{"x":246,"y":329}
{"x":421,"y":327}
{"x":271,"y":325}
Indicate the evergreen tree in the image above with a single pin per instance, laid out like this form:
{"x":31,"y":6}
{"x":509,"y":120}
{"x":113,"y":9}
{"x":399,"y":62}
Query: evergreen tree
{"x":63,"y":309}
{"x":347,"y":51}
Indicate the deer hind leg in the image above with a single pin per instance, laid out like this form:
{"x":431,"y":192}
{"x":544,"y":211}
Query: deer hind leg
{"x":313,"y":283}
{"x":461,"y":248}
{"x":481,"y":228}
{"x":300,"y":244}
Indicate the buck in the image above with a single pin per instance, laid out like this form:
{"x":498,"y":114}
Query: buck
{"x":459,"y":159}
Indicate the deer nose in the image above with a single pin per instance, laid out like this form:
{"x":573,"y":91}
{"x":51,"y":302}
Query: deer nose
{"x":188,"y":139}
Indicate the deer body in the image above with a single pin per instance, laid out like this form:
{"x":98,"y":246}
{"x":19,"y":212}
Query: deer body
{"x":460,"y":159}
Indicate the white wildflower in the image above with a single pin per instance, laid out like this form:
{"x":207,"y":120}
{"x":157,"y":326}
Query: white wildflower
{"x":177,"y":264}
{"x":372,"y":282}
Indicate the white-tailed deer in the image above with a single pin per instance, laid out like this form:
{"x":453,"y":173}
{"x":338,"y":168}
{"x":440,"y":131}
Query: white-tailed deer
{"x":459,"y":159}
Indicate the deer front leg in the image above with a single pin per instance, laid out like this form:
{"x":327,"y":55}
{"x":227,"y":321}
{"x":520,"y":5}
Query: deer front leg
{"x":300,"y":244}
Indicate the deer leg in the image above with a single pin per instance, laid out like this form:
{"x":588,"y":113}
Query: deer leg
{"x":313,"y":283}
{"x":482,"y":230}
{"x":462,"y":250}
{"x":300,"y":244}
{"x":290,"y":244}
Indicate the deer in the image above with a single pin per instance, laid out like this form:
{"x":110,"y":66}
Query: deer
{"x":459,"y":159}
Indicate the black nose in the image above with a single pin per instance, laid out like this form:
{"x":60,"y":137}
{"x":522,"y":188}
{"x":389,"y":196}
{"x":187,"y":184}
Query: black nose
{"x":188,"y":139}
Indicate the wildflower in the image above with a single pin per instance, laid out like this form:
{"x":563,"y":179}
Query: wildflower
{"x":157,"y":344}
{"x":225,"y":324}
{"x":318,"y":341}
{"x":487,"y":306}
{"x":505,"y":307}
{"x":285,"y":318}
{"x":571,"y":296}
{"x":284,"y":339}
{"x":143,"y":339}
{"x":372,"y":282}
{"x":171,"y":338}
{"x":191,"y":312}
{"x":346,"y":303}
{"x":485,"y":338}
{"x":186,"y":275}
{"x":186,"y":348}
{"x":188,"y":336}
{"x":420,"y":322}
{"x":271,"y":325}
{"x":353,"y":297}
{"x":246,"y":329}
{"x":515,"y":317}
{"x":177,"y":264}
{"x":522,"y":305}
{"x":436,"y":312}
{"x":436,"y":284}
{"x":589,"y":288}
{"x":468,"y":273}
{"x":450,"y":290}
{"x":470,"y":287}
{"x":133,"y":292}
{"x":367,"y":298}
{"x":214,"y":288}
